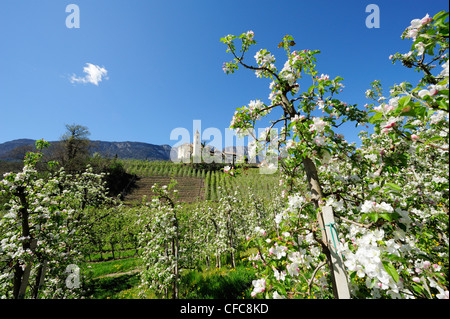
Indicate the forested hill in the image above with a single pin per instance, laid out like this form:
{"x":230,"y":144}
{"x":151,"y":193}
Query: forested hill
{"x":15,"y":150}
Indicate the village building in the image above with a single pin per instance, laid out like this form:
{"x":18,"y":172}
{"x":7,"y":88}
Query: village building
{"x":193,"y":151}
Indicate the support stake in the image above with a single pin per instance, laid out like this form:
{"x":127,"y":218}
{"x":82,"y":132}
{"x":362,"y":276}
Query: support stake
{"x":337,"y":262}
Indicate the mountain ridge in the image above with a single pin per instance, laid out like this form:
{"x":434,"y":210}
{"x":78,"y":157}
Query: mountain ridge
{"x":14,"y":150}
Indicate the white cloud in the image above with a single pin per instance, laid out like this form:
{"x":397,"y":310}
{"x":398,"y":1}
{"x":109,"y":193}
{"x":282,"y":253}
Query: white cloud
{"x":94,"y":74}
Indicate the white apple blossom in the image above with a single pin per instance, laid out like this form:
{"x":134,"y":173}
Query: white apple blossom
{"x":263,"y":57}
{"x":319,"y":140}
{"x":279,"y":275}
{"x":318,"y":125}
{"x":293,"y":269}
{"x":278,"y":251}
{"x":276,"y":295}
{"x":423,"y":93}
{"x":370,"y":206}
{"x":259,"y":286}
{"x":445,"y":69}
{"x":420,"y":48}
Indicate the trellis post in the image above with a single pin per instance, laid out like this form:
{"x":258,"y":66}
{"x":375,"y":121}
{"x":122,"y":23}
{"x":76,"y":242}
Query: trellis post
{"x":339,"y":275}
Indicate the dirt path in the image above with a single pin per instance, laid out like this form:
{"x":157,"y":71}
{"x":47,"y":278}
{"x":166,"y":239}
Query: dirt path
{"x":117,"y":274}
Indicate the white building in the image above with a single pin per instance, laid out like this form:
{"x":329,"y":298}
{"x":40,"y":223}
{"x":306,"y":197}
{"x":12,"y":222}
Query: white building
{"x":187,"y":150}
{"x":184,"y":152}
{"x":197,"y":146}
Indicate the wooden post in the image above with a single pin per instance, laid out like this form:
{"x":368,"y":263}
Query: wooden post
{"x":332,"y":240}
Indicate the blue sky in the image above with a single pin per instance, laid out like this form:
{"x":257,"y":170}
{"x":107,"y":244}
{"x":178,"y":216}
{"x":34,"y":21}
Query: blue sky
{"x":164,"y":60}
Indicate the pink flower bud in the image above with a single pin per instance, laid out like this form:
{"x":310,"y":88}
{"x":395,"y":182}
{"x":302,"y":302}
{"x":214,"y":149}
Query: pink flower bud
{"x":425,"y":20}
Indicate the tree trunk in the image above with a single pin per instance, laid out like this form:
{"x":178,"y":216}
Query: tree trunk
{"x":218,"y":261}
{"x":18,"y":273}
{"x":233,"y":262}
{"x":100,"y":249}
{"x":313,"y":180}
{"x":230,"y":237}
{"x":39,"y":279}
{"x":175,"y":270}
{"x":26,"y":273}
{"x":112,"y":250}
{"x":317,"y":195}
{"x":20,"y":281}
{"x":175,"y":256}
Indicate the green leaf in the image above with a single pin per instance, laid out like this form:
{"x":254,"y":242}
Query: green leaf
{"x":440,"y":21}
{"x":375,"y":118}
{"x":417,"y":288}
{"x":394,"y":257}
{"x":403,"y":102}
{"x":433,"y":139}
{"x":372,"y":284}
{"x":373,"y":217}
{"x":409,"y":126}
{"x":443,"y":105}
{"x":394,"y":187}
{"x":279,"y":287}
{"x":390,"y":269}
{"x":439,"y":14}
{"x":386,"y":216}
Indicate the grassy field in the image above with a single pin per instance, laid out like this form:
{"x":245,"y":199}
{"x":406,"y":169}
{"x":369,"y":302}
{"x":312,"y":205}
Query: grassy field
{"x":119,"y":279}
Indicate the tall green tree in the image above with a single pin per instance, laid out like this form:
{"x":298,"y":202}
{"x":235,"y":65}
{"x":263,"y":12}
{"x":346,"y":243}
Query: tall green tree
{"x":75,"y":147}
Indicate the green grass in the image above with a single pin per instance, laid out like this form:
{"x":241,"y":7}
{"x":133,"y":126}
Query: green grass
{"x":111,"y":287}
{"x":100,"y":287}
{"x":223,"y":283}
{"x":214,"y":283}
{"x":97,"y":269}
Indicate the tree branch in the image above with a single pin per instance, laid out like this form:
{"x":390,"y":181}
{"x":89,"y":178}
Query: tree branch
{"x":353,"y":222}
{"x":323,"y":263}
{"x":252,"y":67}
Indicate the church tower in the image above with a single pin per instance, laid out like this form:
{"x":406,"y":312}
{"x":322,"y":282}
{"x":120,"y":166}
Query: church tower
{"x":197,"y":147}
